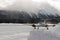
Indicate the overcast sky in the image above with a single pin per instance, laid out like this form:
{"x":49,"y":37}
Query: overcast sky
{"x":26,"y":4}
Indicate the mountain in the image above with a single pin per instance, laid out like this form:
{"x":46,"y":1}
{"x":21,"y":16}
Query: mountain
{"x":24,"y":17}
{"x":45,"y":11}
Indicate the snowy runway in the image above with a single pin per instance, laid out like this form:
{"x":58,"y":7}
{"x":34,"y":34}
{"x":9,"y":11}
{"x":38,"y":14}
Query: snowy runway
{"x":14,"y":32}
{"x":24,"y":32}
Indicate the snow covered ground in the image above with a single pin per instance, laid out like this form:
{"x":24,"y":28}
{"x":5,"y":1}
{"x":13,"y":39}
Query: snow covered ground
{"x":25,"y":32}
{"x":14,"y":31}
{"x":43,"y":35}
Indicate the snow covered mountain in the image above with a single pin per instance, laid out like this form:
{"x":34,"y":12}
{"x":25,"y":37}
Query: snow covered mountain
{"x":45,"y":11}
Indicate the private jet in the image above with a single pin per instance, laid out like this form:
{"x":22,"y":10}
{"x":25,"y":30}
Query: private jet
{"x":36,"y":26}
{"x":45,"y":23}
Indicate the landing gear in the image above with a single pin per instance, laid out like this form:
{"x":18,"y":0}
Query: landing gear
{"x":47,"y":28}
{"x":38,"y":28}
{"x":34,"y":27}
